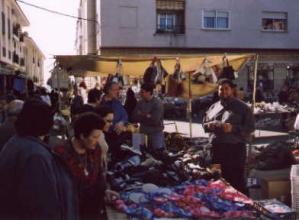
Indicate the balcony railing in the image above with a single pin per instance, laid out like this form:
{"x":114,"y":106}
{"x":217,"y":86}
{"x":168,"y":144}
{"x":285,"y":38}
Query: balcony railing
{"x":175,"y":29}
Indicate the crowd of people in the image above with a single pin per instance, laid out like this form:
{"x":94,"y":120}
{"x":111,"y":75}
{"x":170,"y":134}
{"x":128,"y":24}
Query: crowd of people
{"x":68,"y":180}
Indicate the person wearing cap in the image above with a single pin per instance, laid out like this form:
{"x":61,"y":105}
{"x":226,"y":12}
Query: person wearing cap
{"x":149,"y":113}
{"x":34,"y":183}
{"x":7,"y":129}
{"x":230,"y":123}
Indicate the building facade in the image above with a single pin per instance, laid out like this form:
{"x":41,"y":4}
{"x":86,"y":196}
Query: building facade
{"x":266,"y":27}
{"x":34,"y":62}
{"x":14,"y":47}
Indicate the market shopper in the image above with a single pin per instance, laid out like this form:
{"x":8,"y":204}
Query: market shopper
{"x":7,"y":129}
{"x":111,"y":99}
{"x":107,"y":115}
{"x":82,"y":155}
{"x":34,"y":184}
{"x":117,"y":134}
{"x":149,"y":113}
{"x":230,"y":123}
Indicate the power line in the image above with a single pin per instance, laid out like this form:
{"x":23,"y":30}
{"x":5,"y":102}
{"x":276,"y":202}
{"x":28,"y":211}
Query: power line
{"x":54,"y":12}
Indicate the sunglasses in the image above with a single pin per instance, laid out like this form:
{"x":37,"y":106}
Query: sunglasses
{"x":109,"y":121}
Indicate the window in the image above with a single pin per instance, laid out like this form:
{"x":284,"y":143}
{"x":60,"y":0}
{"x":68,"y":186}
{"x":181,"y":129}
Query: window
{"x":275,"y":21}
{"x":9,"y":54}
{"x":3,"y":23}
{"x":215,"y":19}
{"x":170,"y":16}
{"x":8,"y":28}
{"x":4,"y":51}
{"x":166,"y":22}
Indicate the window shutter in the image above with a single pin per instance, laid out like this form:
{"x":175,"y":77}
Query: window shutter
{"x":170,"y":4}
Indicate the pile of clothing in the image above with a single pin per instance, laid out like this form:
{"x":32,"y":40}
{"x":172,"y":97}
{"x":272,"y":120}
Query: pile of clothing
{"x":162,"y":167}
{"x":277,"y":155}
{"x":274,"y":107}
{"x":191,"y":199}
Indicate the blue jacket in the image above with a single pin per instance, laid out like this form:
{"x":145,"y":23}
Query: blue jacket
{"x":120,"y":114}
{"x":34,"y":184}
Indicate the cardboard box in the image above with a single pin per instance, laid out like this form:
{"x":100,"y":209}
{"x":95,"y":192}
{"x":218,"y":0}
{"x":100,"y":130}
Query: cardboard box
{"x":276,"y":188}
{"x":278,"y":209}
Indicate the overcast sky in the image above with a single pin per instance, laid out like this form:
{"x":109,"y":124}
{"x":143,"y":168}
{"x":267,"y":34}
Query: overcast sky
{"x":54,"y":34}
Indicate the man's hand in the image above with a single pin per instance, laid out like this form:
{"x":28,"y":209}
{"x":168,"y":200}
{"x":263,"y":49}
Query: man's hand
{"x":227,"y":127}
{"x":119,"y":128}
{"x":213,"y":125}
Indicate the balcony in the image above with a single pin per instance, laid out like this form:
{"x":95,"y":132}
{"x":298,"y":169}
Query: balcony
{"x":170,"y":29}
{"x":21,"y":37}
{"x":22,"y":62}
{"x":16,"y":58}
{"x":16,"y":30}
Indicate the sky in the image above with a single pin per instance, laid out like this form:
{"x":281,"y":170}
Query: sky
{"x":54,"y":34}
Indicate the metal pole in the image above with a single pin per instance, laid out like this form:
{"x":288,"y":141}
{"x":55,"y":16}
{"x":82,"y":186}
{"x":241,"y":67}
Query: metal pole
{"x":189,"y":107}
{"x":254,"y":82}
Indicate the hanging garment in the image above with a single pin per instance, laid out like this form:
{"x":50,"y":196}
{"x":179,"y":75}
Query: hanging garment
{"x":155,"y":73}
{"x":175,"y":82}
{"x":150,"y":75}
{"x":228,"y":71}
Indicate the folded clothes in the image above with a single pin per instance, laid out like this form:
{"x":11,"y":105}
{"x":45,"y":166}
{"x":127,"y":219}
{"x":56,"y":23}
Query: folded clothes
{"x":195,"y":199}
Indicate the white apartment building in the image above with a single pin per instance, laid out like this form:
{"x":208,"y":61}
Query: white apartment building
{"x":13,"y":48}
{"x":34,"y":62}
{"x":267,"y":27}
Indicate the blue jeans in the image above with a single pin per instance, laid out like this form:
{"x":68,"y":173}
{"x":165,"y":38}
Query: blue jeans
{"x":156,"y":140}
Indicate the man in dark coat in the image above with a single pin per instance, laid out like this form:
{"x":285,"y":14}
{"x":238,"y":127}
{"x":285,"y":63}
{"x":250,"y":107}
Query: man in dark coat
{"x":230,"y":123}
{"x":34,"y":185}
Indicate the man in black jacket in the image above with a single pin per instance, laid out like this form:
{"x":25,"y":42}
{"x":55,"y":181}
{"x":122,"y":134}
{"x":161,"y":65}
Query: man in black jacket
{"x":230,"y":122}
{"x":34,"y":184}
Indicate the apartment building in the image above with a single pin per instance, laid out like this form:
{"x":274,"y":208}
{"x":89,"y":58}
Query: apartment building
{"x":14,"y":47}
{"x":266,"y":27}
{"x":34,"y":62}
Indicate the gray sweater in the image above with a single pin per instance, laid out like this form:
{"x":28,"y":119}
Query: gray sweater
{"x":235,"y":112}
{"x":150,"y":116}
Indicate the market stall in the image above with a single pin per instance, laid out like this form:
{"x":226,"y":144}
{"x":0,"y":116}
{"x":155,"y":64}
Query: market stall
{"x":196,"y":67}
{"x":180,"y":183}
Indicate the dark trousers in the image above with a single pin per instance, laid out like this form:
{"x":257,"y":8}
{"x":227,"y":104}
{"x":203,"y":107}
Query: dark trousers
{"x":232,"y":158}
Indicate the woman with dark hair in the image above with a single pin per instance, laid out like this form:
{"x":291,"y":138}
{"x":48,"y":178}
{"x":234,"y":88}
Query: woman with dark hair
{"x":34,"y":184}
{"x":82,"y":155}
{"x":107,"y":115}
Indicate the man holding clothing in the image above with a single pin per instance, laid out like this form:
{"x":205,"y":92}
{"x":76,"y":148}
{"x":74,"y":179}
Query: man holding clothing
{"x":230,"y":122}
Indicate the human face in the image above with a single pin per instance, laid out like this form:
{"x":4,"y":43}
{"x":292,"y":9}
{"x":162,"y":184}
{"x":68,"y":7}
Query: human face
{"x":225,"y":91}
{"x":114,"y":91}
{"x":91,"y":141}
{"x":108,"y":122}
{"x":145,"y":95}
